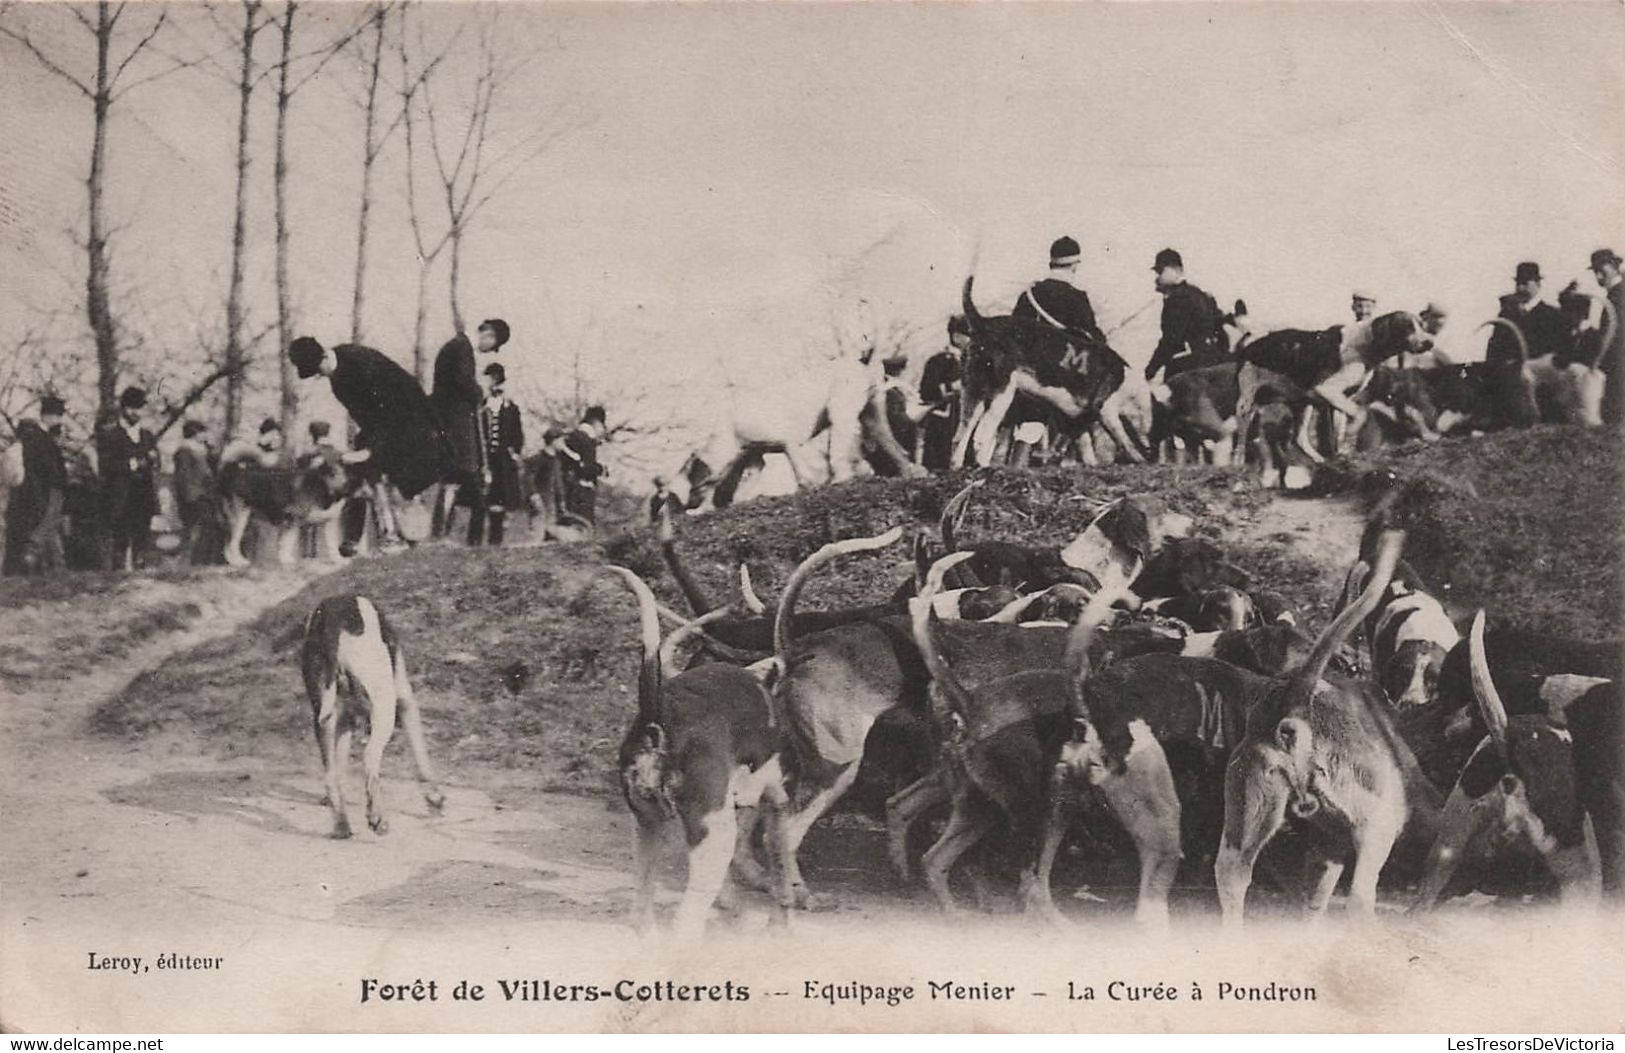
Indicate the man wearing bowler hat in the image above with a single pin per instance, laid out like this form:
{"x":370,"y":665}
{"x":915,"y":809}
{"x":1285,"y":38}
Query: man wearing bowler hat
{"x":1605,"y":265}
{"x":127,"y":455}
{"x":399,"y":443}
{"x":1193,"y":333}
{"x":1542,"y":328}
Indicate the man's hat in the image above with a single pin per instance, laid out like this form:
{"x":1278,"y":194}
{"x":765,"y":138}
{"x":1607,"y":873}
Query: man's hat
{"x":306,"y":355}
{"x":1433,"y":310}
{"x":191,"y":428}
{"x":320,"y":429}
{"x":893,"y":364}
{"x":1528,"y":272}
{"x":133,"y":397}
{"x":1064,"y":252}
{"x":553,"y":432}
{"x":1604,"y":257}
{"x":1168,"y":258}
{"x":497,"y":374}
{"x":1362,"y":295}
{"x":269,"y":424}
{"x":52,"y":406}
{"x":498,"y":327}
{"x":595,"y":413}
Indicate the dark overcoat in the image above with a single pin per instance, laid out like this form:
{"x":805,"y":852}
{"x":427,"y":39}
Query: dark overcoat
{"x":456,"y":399}
{"x":129,"y":470}
{"x":504,"y":436}
{"x":44,"y":474}
{"x":396,"y":420}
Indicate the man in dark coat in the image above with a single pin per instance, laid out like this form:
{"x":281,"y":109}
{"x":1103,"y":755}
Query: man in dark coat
{"x":399,"y":429}
{"x":502,"y":456}
{"x":939,"y":389}
{"x":1193,"y":334}
{"x":1544,"y":333}
{"x":1605,"y":265}
{"x":196,"y":495}
{"x":1056,"y":300}
{"x":548,"y":481}
{"x":127,"y":454}
{"x":581,"y":468}
{"x":457,"y":397}
{"x":34,"y":514}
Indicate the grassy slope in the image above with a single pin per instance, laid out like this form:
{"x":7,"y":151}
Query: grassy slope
{"x":471,"y":618}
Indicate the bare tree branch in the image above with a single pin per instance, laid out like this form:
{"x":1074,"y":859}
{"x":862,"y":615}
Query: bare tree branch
{"x":157,"y":26}
{"x":45,"y":60}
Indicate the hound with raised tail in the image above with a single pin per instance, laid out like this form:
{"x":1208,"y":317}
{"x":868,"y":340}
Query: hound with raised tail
{"x":1327,"y":751}
{"x":702,"y":749}
{"x":355,"y":676}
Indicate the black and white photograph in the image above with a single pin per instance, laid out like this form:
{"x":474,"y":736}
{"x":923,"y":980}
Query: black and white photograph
{"x":599,"y":517}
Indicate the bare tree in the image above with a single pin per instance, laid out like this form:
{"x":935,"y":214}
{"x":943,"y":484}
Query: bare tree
{"x":469,"y":168}
{"x":428,"y":248}
{"x":103,"y":88}
{"x":372,"y":146}
{"x":233,"y":364}
{"x":286,"y":87}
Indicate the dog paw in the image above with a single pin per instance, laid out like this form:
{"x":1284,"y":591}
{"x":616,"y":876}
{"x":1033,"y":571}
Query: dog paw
{"x":437,"y":801}
{"x":341,"y":831}
{"x":379,"y":824}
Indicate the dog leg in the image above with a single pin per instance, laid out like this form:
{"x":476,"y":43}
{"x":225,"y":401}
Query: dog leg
{"x":412,"y":724}
{"x":798,"y":823}
{"x":646,"y":850}
{"x":904,"y":808}
{"x":965,"y":829}
{"x":287,"y":544}
{"x":1254,"y":809}
{"x":326,"y":722}
{"x":985,"y":436}
{"x":1372,"y":845}
{"x":238,"y":520}
{"x":1321,"y":875}
{"x":1111,"y":415}
{"x":1144,"y":800}
{"x":374,"y":678}
{"x":745,"y":869}
{"x":341,"y":743}
{"x":708,"y":859}
{"x":1036,"y":894}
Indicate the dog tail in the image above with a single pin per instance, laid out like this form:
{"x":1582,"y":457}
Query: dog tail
{"x":953,"y":513}
{"x":973,"y":317}
{"x":698,"y":602}
{"x":1335,"y":634}
{"x":792,"y":588}
{"x":649,"y":673}
{"x":921,"y":618}
{"x":681,"y":635}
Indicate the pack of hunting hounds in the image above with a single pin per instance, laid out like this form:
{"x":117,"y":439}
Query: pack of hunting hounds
{"x":1133,"y":690}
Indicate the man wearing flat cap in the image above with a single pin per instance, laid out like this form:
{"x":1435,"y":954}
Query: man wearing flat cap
{"x":1363,"y":305}
{"x":34,"y":514}
{"x":399,"y":442}
{"x":1543,"y":331}
{"x":1605,"y":264}
{"x":1193,"y":335}
{"x":127,"y":454}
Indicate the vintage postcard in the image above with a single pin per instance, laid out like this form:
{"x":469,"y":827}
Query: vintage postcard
{"x":823,"y":517}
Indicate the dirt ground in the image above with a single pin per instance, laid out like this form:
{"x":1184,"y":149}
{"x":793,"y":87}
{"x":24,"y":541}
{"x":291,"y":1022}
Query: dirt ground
{"x":165,"y":843}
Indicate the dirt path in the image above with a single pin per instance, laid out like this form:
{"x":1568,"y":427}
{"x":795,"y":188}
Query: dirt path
{"x":139,"y":850}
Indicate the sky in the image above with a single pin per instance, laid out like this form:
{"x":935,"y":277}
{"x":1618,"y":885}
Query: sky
{"x":741,"y":183}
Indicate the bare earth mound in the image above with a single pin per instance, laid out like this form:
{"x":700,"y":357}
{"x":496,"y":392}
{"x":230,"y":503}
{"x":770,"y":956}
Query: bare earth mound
{"x":525,"y":658}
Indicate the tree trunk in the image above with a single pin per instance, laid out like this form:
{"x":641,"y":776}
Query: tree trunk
{"x":288,"y":405}
{"x":234,"y":294}
{"x":96,"y":281}
{"x":369,"y":155}
{"x":420,"y":351}
{"x":456,"y":279}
